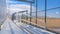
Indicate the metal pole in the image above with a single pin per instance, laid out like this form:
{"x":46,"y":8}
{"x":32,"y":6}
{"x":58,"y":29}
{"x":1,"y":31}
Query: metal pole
{"x":36,"y":10}
{"x":21,"y":17}
{"x":0,"y":27}
{"x":30,"y":12}
{"x":27,"y":16}
{"x":45,"y":12}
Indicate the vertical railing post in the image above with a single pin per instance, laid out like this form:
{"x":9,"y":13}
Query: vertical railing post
{"x":36,"y":10}
{"x":22,"y":16}
{"x":17,"y":16}
{"x":26,"y":15}
{"x":30,"y":12}
{"x":0,"y":27}
{"x":45,"y":13}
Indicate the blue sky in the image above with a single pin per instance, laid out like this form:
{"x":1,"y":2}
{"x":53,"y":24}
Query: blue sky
{"x":50,"y":4}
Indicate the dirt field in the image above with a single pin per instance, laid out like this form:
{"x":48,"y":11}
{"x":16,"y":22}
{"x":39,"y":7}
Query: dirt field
{"x":53,"y":22}
{"x":50,"y":23}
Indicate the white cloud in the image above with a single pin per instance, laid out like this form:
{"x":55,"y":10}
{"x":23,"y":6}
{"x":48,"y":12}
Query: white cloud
{"x":57,"y":13}
{"x":22,"y":7}
{"x":19,"y":7}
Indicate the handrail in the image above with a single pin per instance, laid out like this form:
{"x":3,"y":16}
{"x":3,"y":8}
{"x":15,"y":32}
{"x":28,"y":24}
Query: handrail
{"x":48,"y":9}
{"x":32,"y":21}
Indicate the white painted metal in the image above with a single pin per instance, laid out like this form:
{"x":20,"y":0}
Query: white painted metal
{"x":2,"y":11}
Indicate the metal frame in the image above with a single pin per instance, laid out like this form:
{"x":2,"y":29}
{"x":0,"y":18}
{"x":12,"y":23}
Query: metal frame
{"x":31,"y":2}
{"x":26,"y":1}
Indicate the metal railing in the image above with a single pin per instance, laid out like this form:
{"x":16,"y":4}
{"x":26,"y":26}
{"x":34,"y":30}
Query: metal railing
{"x":29,"y":16}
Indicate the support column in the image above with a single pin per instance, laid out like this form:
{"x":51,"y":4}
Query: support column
{"x":2,"y":12}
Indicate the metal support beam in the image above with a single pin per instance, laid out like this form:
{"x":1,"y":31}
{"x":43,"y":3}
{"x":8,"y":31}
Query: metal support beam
{"x":26,"y":1}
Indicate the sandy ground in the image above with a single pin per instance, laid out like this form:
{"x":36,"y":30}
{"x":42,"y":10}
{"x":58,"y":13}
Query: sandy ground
{"x":51,"y":23}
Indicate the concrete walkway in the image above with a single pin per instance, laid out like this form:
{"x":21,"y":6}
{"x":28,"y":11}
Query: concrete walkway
{"x":10,"y":27}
